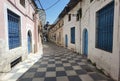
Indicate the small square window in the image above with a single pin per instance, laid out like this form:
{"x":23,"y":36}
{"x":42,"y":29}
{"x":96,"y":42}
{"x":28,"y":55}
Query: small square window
{"x":22,"y":2}
{"x":79,"y":14}
{"x":69,"y":17}
{"x":33,"y":16}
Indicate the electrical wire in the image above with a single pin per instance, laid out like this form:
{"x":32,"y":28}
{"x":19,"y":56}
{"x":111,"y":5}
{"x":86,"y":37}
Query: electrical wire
{"x":40,"y":4}
{"x":52,"y":5}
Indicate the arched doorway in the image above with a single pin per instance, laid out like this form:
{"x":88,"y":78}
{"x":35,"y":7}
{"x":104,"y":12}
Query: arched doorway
{"x":85,"y":42}
{"x":29,"y":38}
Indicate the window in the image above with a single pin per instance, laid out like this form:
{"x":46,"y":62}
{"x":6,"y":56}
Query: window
{"x":73,"y":35}
{"x":33,"y":16}
{"x":55,"y":37}
{"x":22,"y":2}
{"x":91,"y":1}
{"x":13,"y":30}
{"x":79,"y":14}
{"x":59,"y":25}
{"x":69,"y":17}
{"x":60,"y":36}
{"x":104,"y":30}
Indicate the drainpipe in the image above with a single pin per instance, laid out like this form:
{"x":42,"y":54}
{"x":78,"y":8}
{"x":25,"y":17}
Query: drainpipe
{"x":80,"y":29}
{"x":118,"y":37}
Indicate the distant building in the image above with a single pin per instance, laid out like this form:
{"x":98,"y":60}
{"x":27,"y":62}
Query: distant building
{"x":55,"y":33}
{"x":45,"y":29}
{"x":91,"y":28}
{"x":19,"y":34}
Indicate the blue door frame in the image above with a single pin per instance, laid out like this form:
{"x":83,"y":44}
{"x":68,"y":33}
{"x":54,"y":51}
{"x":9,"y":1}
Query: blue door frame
{"x":66,"y":41}
{"x":29,"y":43}
{"x":85,"y":42}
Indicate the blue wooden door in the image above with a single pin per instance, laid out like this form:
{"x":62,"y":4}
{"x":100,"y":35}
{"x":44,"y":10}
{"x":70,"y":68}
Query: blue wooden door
{"x":29,"y":44}
{"x":66,"y":41}
{"x":85,"y":44}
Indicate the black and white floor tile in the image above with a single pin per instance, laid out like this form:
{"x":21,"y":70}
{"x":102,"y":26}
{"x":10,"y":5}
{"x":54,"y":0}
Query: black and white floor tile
{"x":60,"y":64}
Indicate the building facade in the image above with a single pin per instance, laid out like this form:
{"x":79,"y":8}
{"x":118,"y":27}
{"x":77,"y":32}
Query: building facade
{"x":19,"y":31}
{"x":91,"y":28}
{"x":99,"y":35}
{"x":55,"y":33}
{"x":71,"y":34}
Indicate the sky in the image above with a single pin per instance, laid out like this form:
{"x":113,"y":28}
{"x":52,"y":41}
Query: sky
{"x":53,"y":12}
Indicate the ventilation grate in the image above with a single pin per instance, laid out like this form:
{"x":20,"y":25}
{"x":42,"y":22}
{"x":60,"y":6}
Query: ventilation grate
{"x":15,"y":62}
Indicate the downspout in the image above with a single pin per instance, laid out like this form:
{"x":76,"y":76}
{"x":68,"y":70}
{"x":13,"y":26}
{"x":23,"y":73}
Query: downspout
{"x":80,"y":30}
{"x":118,"y":37}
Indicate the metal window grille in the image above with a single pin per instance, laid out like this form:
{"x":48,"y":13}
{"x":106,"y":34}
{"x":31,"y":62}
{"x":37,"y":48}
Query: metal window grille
{"x":73,"y":35}
{"x":13,"y":30}
{"x":104,"y":30}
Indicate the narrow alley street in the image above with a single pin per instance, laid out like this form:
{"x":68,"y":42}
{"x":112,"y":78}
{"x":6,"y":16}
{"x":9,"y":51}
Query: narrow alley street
{"x":60,"y":64}
{"x":60,"y":40}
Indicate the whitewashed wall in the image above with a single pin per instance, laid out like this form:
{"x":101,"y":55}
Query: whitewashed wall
{"x":67,"y":29}
{"x":107,"y":61}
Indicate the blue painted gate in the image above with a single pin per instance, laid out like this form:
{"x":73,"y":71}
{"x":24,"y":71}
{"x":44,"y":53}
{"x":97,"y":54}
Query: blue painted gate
{"x":85,"y":42}
{"x":66,"y":41}
{"x":29,"y":43}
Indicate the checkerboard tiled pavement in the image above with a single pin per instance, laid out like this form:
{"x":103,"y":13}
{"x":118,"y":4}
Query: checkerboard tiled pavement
{"x":60,"y":64}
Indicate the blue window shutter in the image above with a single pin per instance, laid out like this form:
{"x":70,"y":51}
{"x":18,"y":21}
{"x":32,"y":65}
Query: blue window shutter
{"x":104,"y":30}
{"x":73,"y":35}
{"x":13,"y":30}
